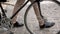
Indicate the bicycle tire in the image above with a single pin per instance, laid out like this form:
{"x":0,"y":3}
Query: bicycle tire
{"x":25,"y":17}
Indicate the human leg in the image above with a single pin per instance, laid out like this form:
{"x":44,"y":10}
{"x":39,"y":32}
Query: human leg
{"x":18,"y":4}
{"x":41,"y":20}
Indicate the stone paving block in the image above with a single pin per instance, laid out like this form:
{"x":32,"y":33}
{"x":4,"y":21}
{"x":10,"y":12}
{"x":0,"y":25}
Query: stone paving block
{"x":50,"y":10}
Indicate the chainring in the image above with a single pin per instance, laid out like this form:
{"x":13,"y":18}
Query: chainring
{"x":5,"y":24}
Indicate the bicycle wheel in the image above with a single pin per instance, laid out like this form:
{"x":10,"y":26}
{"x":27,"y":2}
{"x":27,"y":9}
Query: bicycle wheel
{"x":25,"y":17}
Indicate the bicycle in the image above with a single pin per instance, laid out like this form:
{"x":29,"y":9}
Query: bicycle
{"x":7,"y":21}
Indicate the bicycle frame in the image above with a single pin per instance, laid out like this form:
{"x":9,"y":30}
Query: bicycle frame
{"x":20,"y":9}
{"x":37,"y":1}
{"x":2,"y":10}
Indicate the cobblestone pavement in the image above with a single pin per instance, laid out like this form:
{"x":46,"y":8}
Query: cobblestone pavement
{"x":51,"y":12}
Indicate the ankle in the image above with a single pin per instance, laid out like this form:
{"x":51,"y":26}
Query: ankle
{"x":13,"y":22}
{"x":41,"y":24}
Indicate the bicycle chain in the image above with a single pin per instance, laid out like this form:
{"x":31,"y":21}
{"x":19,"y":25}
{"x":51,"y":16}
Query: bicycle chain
{"x":5,"y":24}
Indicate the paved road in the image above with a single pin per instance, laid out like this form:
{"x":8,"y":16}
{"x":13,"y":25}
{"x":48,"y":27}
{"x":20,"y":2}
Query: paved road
{"x":51,"y":12}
